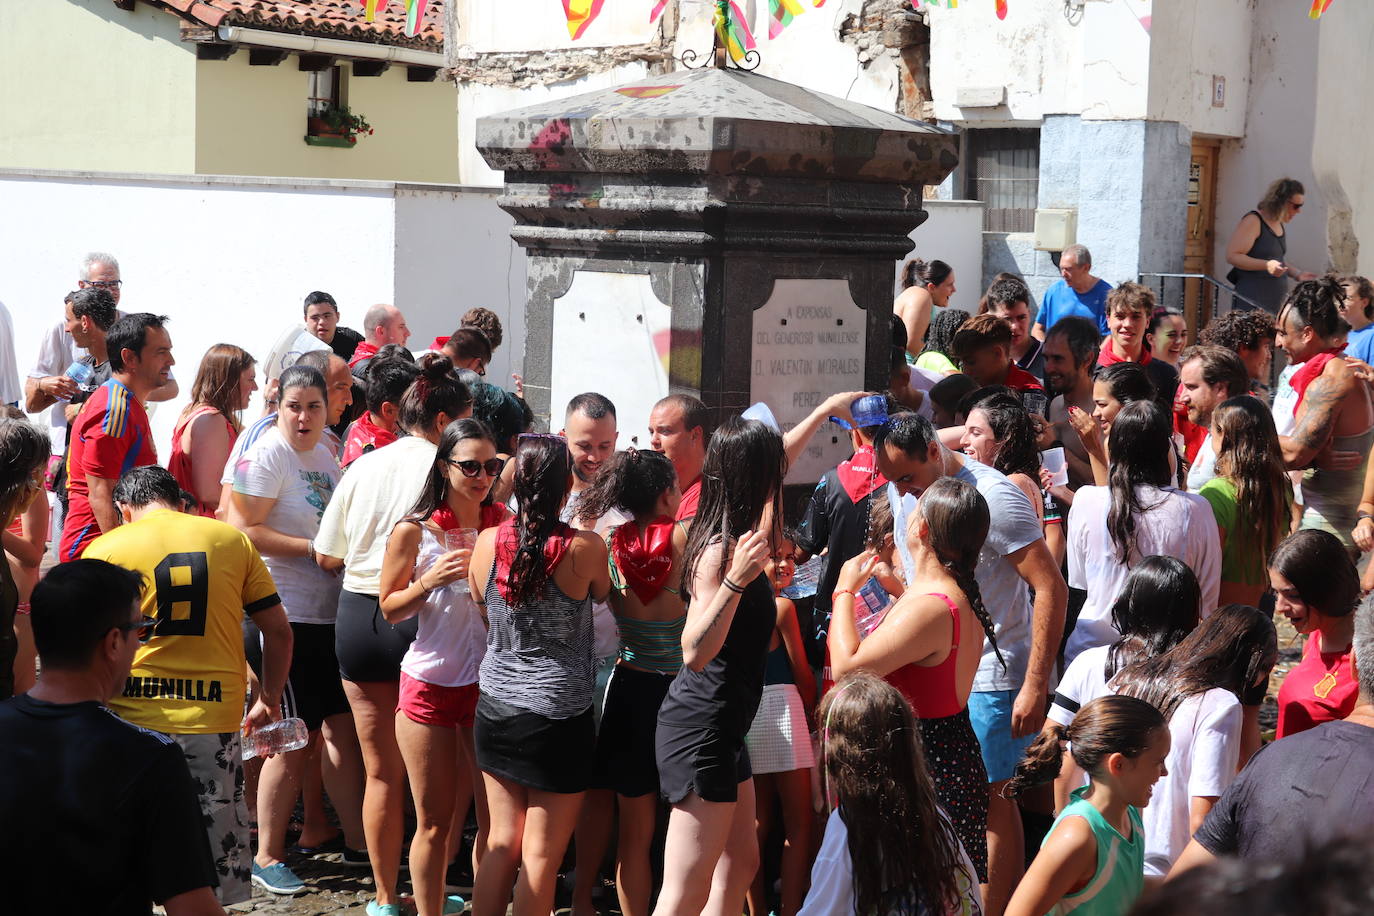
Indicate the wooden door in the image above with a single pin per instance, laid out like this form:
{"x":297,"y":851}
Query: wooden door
{"x":1201,"y":242}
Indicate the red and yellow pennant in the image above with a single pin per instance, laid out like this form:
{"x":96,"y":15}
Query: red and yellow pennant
{"x":580,"y":14}
{"x":1318,"y":7}
{"x":647,"y":92}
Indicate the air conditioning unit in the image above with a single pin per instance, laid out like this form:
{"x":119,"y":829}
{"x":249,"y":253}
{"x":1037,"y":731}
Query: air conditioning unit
{"x":1055,"y":229}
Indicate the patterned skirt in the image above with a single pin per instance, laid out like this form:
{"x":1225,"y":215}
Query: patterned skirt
{"x":956,"y":767}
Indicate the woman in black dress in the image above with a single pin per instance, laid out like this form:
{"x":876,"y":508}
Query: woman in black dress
{"x":1259,"y":247}
{"x":712,"y":852}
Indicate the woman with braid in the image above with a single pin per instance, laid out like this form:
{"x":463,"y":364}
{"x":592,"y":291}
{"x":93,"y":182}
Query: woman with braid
{"x":929,"y":644}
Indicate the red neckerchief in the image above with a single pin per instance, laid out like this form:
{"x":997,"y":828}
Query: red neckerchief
{"x":859,"y":474}
{"x":438,"y":343}
{"x":366,"y":350}
{"x":1309,"y":372}
{"x":1107,"y":356}
{"x":1021,"y":380}
{"x":445,"y":518}
{"x":644,"y":558}
{"x":364,"y":436}
{"x":555,"y":548}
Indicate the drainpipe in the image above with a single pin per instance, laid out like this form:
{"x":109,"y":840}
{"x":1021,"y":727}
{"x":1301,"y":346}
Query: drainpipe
{"x":333,"y":47}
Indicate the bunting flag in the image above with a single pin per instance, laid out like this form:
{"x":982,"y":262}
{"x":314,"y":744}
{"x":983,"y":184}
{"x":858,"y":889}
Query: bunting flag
{"x":1001,"y":9}
{"x":415,"y":16}
{"x":780,"y":15}
{"x":659,"y":7}
{"x":1318,"y":7}
{"x":733,"y":29}
{"x":580,"y":14}
{"x":947,"y":4}
{"x":370,"y":9}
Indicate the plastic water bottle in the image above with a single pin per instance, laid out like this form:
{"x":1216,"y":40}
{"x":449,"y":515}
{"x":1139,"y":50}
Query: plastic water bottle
{"x":277,"y":738}
{"x":81,"y":373}
{"x":805,"y":580}
{"x":870,"y":608}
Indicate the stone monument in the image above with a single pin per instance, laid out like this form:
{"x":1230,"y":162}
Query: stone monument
{"x":714,"y":232}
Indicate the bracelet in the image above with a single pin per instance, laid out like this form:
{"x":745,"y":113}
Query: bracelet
{"x":421,"y":582}
{"x":1364,"y":516}
{"x":843,"y":591}
{"x":310,"y":550}
{"x":737,"y":589}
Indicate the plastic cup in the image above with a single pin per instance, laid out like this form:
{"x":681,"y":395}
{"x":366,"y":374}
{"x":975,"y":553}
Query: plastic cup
{"x":460,"y":539}
{"x":1054,"y":462}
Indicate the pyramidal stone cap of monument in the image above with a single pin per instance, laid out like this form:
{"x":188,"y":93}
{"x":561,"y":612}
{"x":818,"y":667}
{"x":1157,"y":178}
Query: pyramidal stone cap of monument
{"x":713,"y":232}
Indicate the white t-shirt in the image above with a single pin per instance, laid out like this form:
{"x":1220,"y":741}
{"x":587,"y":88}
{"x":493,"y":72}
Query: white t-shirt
{"x":1204,"y":466}
{"x":1175,"y":524}
{"x":302,"y":484}
{"x":832,"y":879}
{"x":1084,"y":680}
{"x":247,"y":438}
{"x":376,"y":493}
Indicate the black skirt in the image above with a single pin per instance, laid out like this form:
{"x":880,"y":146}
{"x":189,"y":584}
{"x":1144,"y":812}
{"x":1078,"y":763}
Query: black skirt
{"x":700,"y":759}
{"x":552,"y":755}
{"x":625,"y":745}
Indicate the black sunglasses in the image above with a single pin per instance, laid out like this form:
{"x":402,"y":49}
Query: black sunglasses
{"x":145,"y":627}
{"x":471,"y":468}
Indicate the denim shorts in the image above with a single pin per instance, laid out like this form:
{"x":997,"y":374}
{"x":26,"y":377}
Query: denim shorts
{"x":990,"y":712}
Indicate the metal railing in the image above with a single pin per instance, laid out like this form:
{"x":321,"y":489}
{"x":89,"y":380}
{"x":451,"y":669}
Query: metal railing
{"x":1199,"y":296}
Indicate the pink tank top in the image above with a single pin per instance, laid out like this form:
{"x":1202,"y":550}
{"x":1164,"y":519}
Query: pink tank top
{"x":931,"y":689}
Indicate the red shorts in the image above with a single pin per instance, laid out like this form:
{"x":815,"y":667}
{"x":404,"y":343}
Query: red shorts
{"x":430,"y":704}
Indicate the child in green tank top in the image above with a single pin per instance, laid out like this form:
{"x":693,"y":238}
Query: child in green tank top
{"x":1092,"y":860}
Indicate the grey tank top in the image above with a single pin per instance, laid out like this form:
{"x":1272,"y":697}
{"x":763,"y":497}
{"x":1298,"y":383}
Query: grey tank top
{"x":1257,"y":285}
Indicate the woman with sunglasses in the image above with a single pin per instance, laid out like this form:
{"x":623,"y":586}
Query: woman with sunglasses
{"x":422,"y":577}
{"x":534,"y":735}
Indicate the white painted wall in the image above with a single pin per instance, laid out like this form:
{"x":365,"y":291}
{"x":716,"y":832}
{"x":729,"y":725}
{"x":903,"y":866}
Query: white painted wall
{"x":230,"y":259}
{"x":1190,"y":44}
{"x":954,"y":234}
{"x":538,"y":25}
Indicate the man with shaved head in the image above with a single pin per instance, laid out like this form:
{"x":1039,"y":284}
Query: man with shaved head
{"x":383,"y":324}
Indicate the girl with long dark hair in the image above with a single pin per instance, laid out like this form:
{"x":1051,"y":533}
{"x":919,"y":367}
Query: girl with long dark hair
{"x":422,"y":577}
{"x":1001,"y":433}
{"x":1139,"y":514}
{"x":711,"y":852}
{"x":1316,"y":587}
{"x":205,"y":432}
{"x":647,"y":599}
{"x":888,"y":846}
{"x":929,"y":646}
{"x":1092,"y":861}
{"x":1251,"y":495}
{"x":1114,"y":387}
{"x":534,"y":735}
{"x":1197,"y":686}
{"x":926,"y":285}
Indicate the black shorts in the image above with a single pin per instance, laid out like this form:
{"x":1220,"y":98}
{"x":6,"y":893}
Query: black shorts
{"x":625,"y":745}
{"x":553,"y":755}
{"x":313,"y":690}
{"x":368,"y":648}
{"x":700,"y":759}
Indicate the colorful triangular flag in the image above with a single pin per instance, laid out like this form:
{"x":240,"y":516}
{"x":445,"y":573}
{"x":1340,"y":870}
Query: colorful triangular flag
{"x":580,"y":14}
{"x":657,"y":11}
{"x":733,"y":30}
{"x":781,"y":13}
{"x":1318,"y":7}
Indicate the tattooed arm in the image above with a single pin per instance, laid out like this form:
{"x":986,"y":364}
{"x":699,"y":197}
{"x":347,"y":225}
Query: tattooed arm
{"x":1316,"y":420}
{"x":713,"y":605}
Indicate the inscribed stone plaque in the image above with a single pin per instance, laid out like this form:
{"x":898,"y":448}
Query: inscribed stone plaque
{"x":808,"y":343}
{"x":610,"y":335}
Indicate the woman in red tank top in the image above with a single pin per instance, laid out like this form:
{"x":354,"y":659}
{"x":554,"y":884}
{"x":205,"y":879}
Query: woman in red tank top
{"x":206,"y":430}
{"x":929,"y":644}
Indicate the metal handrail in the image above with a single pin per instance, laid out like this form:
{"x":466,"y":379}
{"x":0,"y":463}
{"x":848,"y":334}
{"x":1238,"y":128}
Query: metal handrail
{"x":1219,"y":286}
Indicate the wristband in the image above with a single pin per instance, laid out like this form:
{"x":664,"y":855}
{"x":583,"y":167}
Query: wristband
{"x":1364,"y":516}
{"x":737,"y":589}
{"x":843,"y":591}
{"x":310,"y":550}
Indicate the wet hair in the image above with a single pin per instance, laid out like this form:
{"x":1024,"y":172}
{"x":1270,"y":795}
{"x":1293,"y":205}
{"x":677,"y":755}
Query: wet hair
{"x":1239,"y":329}
{"x":591,"y":405}
{"x":1316,"y":304}
{"x":1126,"y":382}
{"x":1230,"y":650}
{"x":1277,"y":194}
{"x":96,"y":304}
{"x":501,"y":412}
{"x":631,"y":481}
{"x":319,"y":298}
{"x":1156,"y":608}
{"x":694,"y":412}
{"x":299,"y":376}
{"x":903,"y":849}
{"x":24,"y":448}
{"x":486,"y":321}
{"x":1318,"y":565}
{"x":1220,"y":366}
{"x":75,"y":605}
{"x":732,"y":503}
{"x":1251,"y":459}
{"x":469,"y":343}
{"x":435,"y":390}
{"x":941,"y":330}
{"x":387,"y":381}
{"x":950,"y":391}
{"x":1012,"y":426}
{"x":1157,"y":318}
{"x":130,"y":333}
{"x":922,"y":273}
{"x":218,"y":381}
{"x":1140,"y":443}
{"x":1004,"y":292}
{"x":543,"y":473}
{"x":957,"y":517}
{"x":978,"y":333}
{"x":1081,"y":336}
{"x":908,"y":432}
{"x":1131,"y":297}
{"x":881,"y":524}
{"x":143,"y":486}
{"x":1111,"y":724}
{"x":1363,"y":289}
{"x":435,"y":492}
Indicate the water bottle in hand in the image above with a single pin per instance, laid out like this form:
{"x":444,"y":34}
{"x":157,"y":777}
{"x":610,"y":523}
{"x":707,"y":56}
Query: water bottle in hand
{"x":277,"y":738}
{"x":81,"y":373}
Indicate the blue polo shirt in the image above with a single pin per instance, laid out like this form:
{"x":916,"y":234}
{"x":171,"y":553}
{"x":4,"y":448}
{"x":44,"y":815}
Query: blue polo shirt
{"x":1062,"y":300}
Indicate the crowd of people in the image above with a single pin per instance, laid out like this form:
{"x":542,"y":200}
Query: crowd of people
{"x":1045,"y":582}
